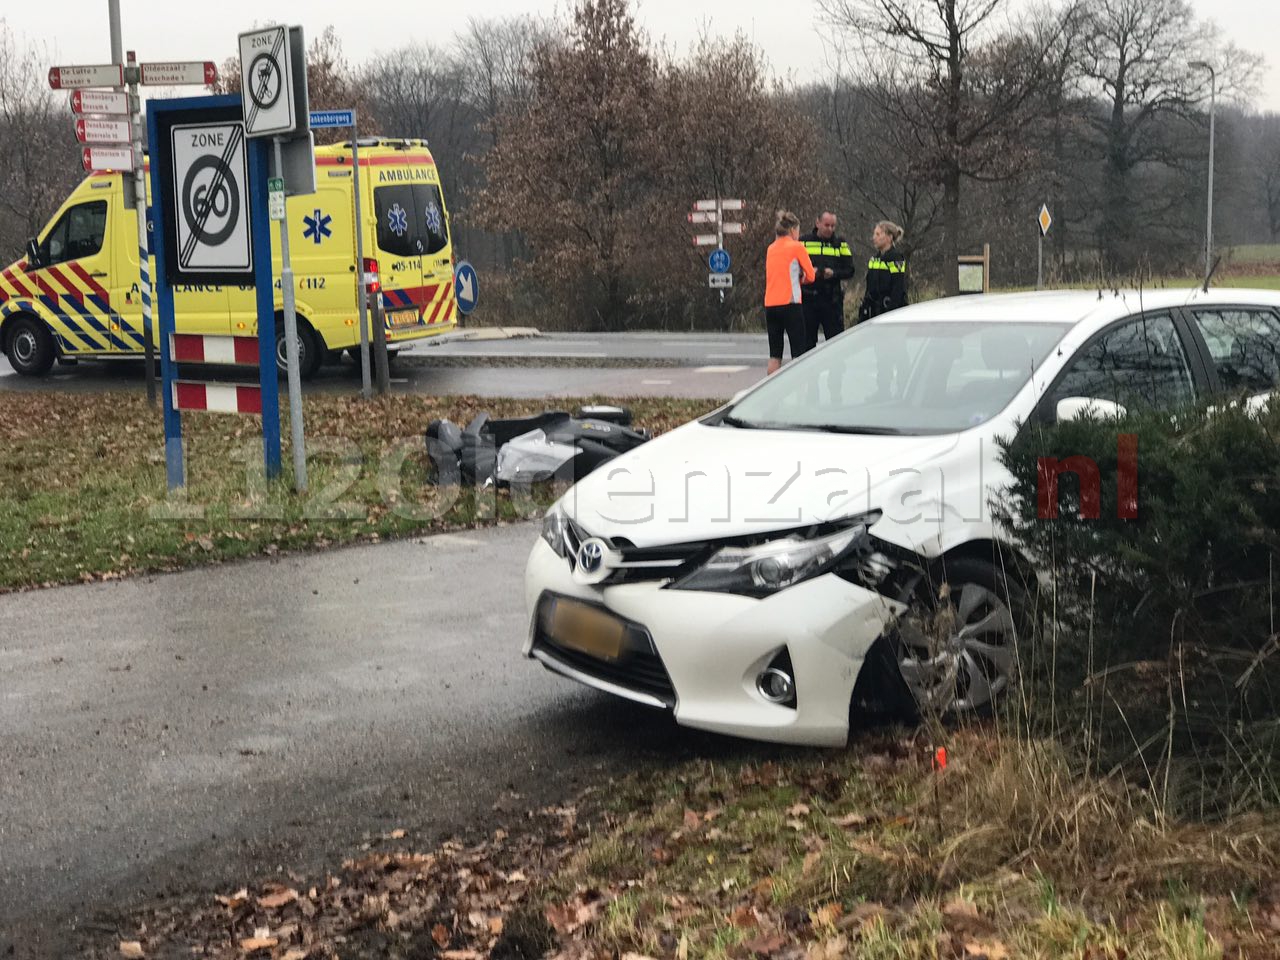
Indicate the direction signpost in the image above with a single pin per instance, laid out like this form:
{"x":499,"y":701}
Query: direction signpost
{"x":113,"y":118}
{"x":94,"y":75}
{"x":713,"y":211}
{"x":105,"y":102}
{"x":178,"y":74}
{"x":103,"y":130}
{"x":107,"y":158}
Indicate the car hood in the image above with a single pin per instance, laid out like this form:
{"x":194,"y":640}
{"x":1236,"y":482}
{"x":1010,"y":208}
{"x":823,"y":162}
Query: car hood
{"x":703,"y":482}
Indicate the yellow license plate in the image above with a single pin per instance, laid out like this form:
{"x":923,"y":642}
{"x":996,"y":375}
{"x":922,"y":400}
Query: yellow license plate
{"x":403,"y":318}
{"x":586,"y":629}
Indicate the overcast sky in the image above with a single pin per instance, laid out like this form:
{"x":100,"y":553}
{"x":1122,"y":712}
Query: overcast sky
{"x":76,"y":30}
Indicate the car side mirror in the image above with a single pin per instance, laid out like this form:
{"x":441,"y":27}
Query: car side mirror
{"x":1073,"y":408}
{"x":33,"y":254}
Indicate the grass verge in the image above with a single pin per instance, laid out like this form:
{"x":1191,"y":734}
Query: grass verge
{"x":83,"y":494}
{"x":873,"y":852}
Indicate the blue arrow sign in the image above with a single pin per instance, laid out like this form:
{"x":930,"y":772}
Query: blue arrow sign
{"x":719,"y":261}
{"x":323,"y":119}
{"x":466,"y":287}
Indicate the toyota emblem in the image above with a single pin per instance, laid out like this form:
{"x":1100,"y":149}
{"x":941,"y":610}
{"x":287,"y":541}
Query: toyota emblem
{"x":590,"y":556}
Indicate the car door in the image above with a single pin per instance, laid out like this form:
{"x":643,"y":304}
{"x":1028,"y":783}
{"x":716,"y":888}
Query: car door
{"x":1241,"y":347}
{"x":75,"y":262}
{"x":1141,"y":362}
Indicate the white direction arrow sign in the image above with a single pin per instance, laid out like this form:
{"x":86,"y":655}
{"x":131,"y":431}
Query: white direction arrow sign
{"x":107,"y":158}
{"x":702,"y":216}
{"x":99,"y":101}
{"x":705,"y":240}
{"x":93,"y":75}
{"x":704,"y":205}
{"x":179,"y":73}
{"x":102,"y":130}
{"x":732,"y":228}
{"x":730,"y":204}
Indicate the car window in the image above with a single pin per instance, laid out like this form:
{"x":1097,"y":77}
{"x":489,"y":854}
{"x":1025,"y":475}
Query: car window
{"x":1138,"y":364}
{"x":434,"y":227}
{"x":920,"y":377}
{"x":1244,"y":346}
{"x":398,"y":231}
{"x":78,"y":233}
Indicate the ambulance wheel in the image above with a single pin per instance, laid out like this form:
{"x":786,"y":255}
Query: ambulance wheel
{"x":30,"y":347}
{"x":310,"y":350}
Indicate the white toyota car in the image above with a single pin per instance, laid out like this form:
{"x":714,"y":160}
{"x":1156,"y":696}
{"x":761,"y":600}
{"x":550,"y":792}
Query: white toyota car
{"x":739,"y":570}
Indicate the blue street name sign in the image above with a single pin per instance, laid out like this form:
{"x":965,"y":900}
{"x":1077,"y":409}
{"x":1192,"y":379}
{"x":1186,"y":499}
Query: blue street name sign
{"x":323,"y":119}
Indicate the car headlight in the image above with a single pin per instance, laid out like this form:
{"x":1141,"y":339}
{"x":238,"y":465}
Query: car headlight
{"x":762,"y":569}
{"x":555,"y":527}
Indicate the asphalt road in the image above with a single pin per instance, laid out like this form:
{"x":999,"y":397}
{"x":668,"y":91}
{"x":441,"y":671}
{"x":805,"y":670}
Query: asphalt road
{"x":633,"y":364}
{"x":192,"y":731}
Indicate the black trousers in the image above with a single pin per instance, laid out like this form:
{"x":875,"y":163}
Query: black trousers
{"x":788,"y":319}
{"x":825,"y":314}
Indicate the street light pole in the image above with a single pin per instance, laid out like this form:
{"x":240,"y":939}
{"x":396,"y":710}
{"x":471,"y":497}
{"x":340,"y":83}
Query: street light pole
{"x":1208,"y":231}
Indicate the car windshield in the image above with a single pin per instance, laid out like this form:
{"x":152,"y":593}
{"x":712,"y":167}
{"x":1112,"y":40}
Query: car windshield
{"x":902,"y":377}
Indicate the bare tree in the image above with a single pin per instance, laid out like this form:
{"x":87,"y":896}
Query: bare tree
{"x":957,"y":81}
{"x":1138,"y":56}
{"x":38,"y":152}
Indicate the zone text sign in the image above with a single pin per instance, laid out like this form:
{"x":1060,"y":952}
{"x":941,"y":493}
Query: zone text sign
{"x":210,"y":170}
{"x":273,"y":82}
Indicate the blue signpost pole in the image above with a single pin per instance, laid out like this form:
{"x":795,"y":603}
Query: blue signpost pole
{"x":263,"y":279}
{"x":164,"y":300}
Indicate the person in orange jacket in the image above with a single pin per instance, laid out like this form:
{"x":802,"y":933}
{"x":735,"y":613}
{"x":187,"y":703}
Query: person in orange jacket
{"x":786,"y":267}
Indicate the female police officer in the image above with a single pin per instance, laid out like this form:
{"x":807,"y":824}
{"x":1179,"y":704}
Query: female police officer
{"x":886,"y":273}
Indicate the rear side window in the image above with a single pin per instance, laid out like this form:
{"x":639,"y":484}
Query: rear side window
{"x":1244,"y":346}
{"x":78,"y":233}
{"x":435,"y":229}
{"x":411,"y":219}
{"x":397,"y":219}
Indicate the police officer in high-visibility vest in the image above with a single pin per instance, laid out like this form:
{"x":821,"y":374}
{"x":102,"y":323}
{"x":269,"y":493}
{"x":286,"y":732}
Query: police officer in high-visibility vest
{"x":886,"y":273}
{"x":833,"y":262}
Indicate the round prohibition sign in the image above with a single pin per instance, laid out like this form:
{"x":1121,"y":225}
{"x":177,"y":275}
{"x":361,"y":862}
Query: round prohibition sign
{"x":264,"y":79}
{"x":211,"y":194}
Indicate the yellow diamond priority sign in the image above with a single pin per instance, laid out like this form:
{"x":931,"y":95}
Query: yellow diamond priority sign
{"x":1045,"y":220}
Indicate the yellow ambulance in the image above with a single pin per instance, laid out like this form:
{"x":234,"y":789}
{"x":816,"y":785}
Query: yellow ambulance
{"x":76,"y":293}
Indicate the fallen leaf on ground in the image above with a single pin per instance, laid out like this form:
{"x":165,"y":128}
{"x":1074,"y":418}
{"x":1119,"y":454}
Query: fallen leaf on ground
{"x":295,"y":954}
{"x":986,"y":951}
{"x":811,"y":860}
{"x":254,"y":944}
{"x":275,"y":901}
{"x":766,"y":945}
{"x":691,"y":820}
{"x":850,"y":820}
{"x":960,"y":908}
{"x":827,"y":915}
{"x":744,"y":918}
{"x":799,"y":810}
{"x":236,"y":899}
{"x":440,"y":934}
{"x":396,"y":835}
{"x":131,"y":948}
{"x":832,"y":949}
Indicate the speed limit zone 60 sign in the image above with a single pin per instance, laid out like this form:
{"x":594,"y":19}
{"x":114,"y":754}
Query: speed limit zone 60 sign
{"x":211,"y":198}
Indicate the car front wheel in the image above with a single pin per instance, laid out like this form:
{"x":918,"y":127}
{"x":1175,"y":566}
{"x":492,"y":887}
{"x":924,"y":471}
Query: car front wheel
{"x":956,"y":648}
